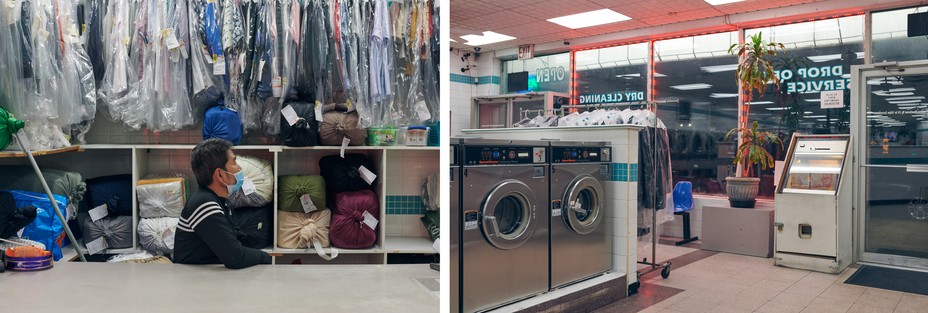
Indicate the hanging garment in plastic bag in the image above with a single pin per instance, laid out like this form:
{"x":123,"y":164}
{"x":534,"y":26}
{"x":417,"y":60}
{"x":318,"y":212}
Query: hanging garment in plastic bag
{"x":156,"y":235}
{"x":46,"y":228}
{"x":417,"y":110}
{"x":348,"y":43}
{"x":161,"y":197}
{"x":69,"y":184}
{"x":430,"y":65}
{"x":295,"y":189}
{"x":655,"y":181}
{"x":339,"y":123}
{"x":79,"y":72}
{"x":113,"y":191}
{"x":9,"y":126}
{"x":119,"y":88}
{"x":343,"y":174}
{"x":259,"y":178}
{"x":93,"y":37}
{"x":381,"y":60}
{"x":172,"y":102}
{"x":12,"y":217}
{"x":431,"y":193}
{"x":304,"y":130}
{"x":233,"y":47}
{"x":222,"y":122}
{"x":253,"y":226}
{"x":349,"y":229}
{"x":298,"y":230}
{"x":205,"y":43}
{"x":116,"y":230}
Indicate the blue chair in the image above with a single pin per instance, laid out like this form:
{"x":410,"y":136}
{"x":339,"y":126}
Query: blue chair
{"x":682,"y":204}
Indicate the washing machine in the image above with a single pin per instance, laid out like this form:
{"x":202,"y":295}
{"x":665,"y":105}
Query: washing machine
{"x":580,"y":248}
{"x":455,"y":233}
{"x":504,"y":236}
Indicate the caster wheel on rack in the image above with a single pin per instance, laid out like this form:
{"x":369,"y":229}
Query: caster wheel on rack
{"x":665,"y":272}
{"x":633,"y":288}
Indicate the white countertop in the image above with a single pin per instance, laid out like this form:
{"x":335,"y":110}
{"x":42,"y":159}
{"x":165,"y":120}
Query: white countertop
{"x":121,"y":287}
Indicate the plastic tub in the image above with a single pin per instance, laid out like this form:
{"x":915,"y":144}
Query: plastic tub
{"x":381,"y":136}
{"x":417,"y":136}
{"x":434,"y":136}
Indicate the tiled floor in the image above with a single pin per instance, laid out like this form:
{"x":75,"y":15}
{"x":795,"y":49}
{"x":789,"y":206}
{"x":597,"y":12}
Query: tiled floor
{"x":723,"y":282}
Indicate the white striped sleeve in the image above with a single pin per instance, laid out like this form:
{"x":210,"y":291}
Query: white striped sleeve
{"x":198,"y":215}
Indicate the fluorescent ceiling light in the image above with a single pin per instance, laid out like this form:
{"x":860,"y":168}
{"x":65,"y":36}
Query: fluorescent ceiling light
{"x":777,"y":109}
{"x":813,"y":100}
{"x":884,"y":93}
{"x":723,"y":95}
{"x":452,"y":40}
{"x":721,"y":2}
{"x":691,"y":86}
{"x":814,"y":116}
{"x":905,"y":98}
{"x":656,"y":74}
{"x":824,"y":58}
{"x":488,"y":37}
{"x":719,"y":68}
{"x":902,"y":89}
{"x":629,"y":76}
{"x":760,"y":102}
{"x":592,"y":18}
{"x":904,"y":101}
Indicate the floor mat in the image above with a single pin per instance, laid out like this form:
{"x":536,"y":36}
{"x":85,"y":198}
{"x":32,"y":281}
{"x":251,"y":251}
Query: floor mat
{"x":890,"y":278}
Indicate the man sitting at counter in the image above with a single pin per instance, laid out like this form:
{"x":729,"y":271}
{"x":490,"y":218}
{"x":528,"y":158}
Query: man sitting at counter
{"x":205,"y":234}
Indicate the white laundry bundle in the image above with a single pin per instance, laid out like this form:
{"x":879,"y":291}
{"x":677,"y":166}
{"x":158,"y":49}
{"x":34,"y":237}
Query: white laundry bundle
{"x":161,"y":197}
{"x":156,"y":235}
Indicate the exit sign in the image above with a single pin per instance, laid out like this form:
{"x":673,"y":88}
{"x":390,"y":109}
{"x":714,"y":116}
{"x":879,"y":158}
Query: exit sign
{"x":526,"y":52}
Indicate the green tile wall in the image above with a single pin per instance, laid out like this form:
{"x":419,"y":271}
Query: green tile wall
{"x":482,"y":80}
{"x":406,"y":205}
{"x":624,"y":172}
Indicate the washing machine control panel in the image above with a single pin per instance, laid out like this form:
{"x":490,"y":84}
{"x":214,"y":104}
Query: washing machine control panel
{"x":581,"y":154}
{"x":496,"y":155}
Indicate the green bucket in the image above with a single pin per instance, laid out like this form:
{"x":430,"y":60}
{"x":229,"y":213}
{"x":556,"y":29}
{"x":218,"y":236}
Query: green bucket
{"x":381,"y":136}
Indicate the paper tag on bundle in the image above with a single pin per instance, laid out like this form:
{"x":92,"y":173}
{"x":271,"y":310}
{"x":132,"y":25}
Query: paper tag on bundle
{"x":348,"y":105}
{"x":210,"y":58}
{"x":367,"y":175}
{"x":290,"y":115}
{"x":168,"y":238}
{"x":24,"y":141}
{"x":276,"y":87}
{"x":318,"y":111}
{"x":219,"y":68}
{"x":345,"y":142}
{"x":370,"y":220}
{"x":126,"y":40}
{"x":72,"y":212}
{"x":422,"y":111}
{"x":99,"y":212}
{"x":248,"y":187}
{"x":97,"y":246}
{"x":307,"y":203}
{"x":170,"y":40}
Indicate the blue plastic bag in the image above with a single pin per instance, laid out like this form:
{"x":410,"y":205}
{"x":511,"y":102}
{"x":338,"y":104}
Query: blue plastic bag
{"x":46,"y":228}
{"x":222,"y":122}
{"x":683,"y":196}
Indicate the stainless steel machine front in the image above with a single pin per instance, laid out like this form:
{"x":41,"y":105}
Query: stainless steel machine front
{"x":455,"y":233}
{"x":580,"y":248}
{"x":504,"y":237}
{"x":813,"y":205}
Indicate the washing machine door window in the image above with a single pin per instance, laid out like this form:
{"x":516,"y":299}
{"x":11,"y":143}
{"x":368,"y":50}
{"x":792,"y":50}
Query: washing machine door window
{"x":508,"y":215}
{"x":584,"y":204}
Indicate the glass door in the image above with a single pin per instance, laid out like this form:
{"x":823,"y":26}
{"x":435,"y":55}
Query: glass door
{"x":892,"y":159}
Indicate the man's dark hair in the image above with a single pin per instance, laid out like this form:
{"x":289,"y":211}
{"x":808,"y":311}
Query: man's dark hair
{"x":207,"y":157}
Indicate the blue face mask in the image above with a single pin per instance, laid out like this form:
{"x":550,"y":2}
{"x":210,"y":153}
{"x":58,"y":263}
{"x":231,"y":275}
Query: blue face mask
{"x":239,"y":180}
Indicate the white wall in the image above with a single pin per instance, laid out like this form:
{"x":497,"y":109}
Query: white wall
{"x":487,"y":66}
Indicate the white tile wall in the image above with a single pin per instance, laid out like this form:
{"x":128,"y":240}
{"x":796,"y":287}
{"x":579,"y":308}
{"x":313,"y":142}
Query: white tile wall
{"x":461,"y":94}
{"x":405,"y":173}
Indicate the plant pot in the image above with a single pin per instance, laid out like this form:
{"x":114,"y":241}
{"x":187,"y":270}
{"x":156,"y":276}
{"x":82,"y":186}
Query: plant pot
{"x":742,"y":191}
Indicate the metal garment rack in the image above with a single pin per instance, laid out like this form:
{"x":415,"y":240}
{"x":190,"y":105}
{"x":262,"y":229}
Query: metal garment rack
{"x":64,"y":222}
{"x":642,"y":105}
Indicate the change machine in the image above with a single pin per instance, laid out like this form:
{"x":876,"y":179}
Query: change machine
{"x":812,"y":224}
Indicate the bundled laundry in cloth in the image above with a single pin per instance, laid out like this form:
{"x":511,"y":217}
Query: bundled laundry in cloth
{"x":344,"y":174}
{"x":140,"y":257}
{"x":298,"y":230}
{"x":156,"y":235}
{"x":46,"y":228}
{"x":116,"y":230}
{"x":354,"y":222}
{"x":164,"y":197}
{"x":298,"y":124}
{"x":339,"y":123}
{"x":253,"y":226}
{"x":13,"y":218}
{"x":258,"y":188}
{"x":68,"y":184}
{"x":113,"y":191}
{"x":222,"y":122}
{"x":301,"y":193}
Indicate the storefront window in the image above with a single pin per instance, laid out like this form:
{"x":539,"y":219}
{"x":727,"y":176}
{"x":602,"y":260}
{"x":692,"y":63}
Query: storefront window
{"x":890,"y":37}
{"x":699,"y":72}
{"x":818,"y":58}
{"x":612,"y":75}
{"x":544,"y":73}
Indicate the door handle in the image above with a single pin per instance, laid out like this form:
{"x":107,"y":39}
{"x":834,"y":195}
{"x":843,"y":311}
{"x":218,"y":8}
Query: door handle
{"x":493,"y":224}
{"x":779,"y":226}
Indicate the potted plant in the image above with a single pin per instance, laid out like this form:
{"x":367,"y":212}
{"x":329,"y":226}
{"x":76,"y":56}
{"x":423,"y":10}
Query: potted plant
{"x":755,"y":70}
{"x":754,"y":157}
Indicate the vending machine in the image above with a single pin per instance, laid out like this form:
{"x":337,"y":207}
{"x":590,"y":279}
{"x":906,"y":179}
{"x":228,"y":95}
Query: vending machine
{"x":812,"y":223}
